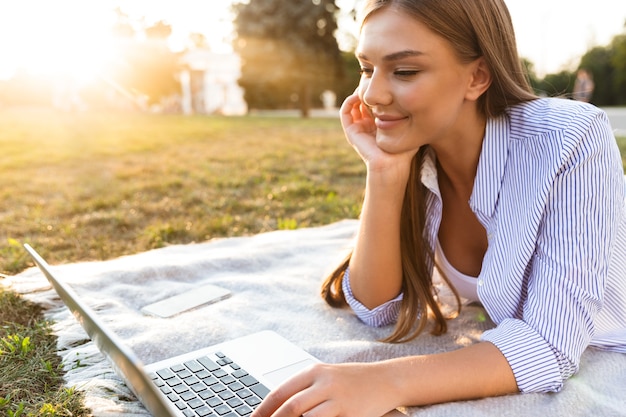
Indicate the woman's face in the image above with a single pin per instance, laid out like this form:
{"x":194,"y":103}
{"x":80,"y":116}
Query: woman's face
{"x":413,"y":83}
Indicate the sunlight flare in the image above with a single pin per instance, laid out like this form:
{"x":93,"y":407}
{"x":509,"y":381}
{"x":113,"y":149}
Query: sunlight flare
{"x":69,"y":38}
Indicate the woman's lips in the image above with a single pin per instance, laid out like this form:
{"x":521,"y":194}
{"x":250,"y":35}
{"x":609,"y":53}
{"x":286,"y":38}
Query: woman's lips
{"x":386,"y":122}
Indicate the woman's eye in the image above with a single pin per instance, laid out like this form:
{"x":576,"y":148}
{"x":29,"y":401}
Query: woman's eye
{"x":365,"y":72}
{"x":406,"y":73}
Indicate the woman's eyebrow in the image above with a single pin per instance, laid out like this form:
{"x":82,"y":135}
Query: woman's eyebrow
{"x":408,"y":53}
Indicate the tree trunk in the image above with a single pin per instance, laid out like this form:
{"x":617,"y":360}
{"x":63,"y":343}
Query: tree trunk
{"x":305,"y":100}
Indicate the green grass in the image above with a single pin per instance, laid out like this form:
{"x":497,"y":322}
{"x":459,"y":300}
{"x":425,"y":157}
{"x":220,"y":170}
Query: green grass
{"x":93,"y":186}
{"x":96,"y":186}
{"x":31,"y":377}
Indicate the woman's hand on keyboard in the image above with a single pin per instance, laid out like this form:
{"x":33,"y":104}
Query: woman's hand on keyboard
{"x":333,"y":390}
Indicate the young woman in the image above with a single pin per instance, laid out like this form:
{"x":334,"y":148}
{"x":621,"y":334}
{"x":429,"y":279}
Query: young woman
{"x":518,"y":202}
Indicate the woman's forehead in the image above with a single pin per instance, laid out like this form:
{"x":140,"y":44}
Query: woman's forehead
{"x":391,"y":31}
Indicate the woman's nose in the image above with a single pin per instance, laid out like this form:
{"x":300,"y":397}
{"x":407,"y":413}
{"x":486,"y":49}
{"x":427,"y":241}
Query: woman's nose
{"x":375,"y":91}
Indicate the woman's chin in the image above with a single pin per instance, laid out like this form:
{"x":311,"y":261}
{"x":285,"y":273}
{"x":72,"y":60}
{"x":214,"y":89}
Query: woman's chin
{"x":391,"y":144}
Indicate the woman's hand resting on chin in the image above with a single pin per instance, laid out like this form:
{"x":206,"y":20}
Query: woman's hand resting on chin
{"x":360,"y":129}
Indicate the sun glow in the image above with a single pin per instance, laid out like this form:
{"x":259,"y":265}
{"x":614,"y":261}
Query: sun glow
{"x":60,"y":38}
{"x":73,"y":38}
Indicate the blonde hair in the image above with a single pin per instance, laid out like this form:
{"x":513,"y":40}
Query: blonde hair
{"x":474,"y":29}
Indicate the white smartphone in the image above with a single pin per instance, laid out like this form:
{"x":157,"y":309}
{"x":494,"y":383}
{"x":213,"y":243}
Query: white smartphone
{"x":186,"y":301}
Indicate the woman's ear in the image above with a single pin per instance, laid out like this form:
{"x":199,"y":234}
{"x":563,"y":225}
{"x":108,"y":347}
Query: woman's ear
{"x":480,"y":79}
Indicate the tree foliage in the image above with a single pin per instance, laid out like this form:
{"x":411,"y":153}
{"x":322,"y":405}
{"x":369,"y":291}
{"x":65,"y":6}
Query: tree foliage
{"x":289,"y":51}
{"x":529,"y":68}
{"x":618,"y":62}
{"x":350,"y":76}
{"x":145,"y":66}
{"x":607,"y":65}
{"x":598,"y":62}
{"x":560,"y":84}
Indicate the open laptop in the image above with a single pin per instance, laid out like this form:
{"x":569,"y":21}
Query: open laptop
{"x":225,"y":380}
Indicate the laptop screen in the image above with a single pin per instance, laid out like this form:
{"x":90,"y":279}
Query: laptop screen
{"x":123,"y":360}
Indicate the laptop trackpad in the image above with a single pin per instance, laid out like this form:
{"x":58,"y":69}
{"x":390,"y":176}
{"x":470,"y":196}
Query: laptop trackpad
{"x":279,"y":376}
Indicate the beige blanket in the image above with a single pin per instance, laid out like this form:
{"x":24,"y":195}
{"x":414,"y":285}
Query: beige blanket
{"x":275,"y":279}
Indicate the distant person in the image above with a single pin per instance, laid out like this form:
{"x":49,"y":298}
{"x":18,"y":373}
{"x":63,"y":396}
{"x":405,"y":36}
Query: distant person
{"x":517,"y":201}
{"x":583,"y":86}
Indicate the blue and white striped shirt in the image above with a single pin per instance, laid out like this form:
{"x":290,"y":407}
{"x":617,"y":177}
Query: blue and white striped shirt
{"x":550,"y":192}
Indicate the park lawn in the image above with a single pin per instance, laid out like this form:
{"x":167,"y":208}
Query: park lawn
{"x":91,"y":186}
{"x":95,"y":186}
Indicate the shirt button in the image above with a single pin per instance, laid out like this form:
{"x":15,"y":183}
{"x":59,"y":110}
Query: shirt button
{"x":480,"y":282}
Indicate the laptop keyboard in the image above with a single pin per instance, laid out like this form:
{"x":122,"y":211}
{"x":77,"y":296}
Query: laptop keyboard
{"x":210,"y":386}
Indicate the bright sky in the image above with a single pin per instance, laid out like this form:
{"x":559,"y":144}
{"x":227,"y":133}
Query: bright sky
{"x":60,"y":36}
{"x":556,"y":33}
{"x":53,"y":36}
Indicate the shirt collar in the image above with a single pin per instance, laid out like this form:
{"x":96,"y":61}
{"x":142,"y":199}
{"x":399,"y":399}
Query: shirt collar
{"x":428,"y":173}
{"x":490,"y":172}
{"x":491,"y":166}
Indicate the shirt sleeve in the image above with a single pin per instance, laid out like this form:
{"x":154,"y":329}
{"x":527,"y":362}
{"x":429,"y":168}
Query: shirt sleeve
{"x":568,"y":271}
{"x":382,"y":315}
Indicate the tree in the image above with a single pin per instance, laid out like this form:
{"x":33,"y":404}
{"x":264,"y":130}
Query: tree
{"x":599,"y":62}
{"x":618,"y":61}
{"x":560,"y":84}
{"x":608,"y":66}
{"x":529,"y":69}
{"x":350,"y":76}
{"x":144,"y":67}
{"x":288,"y":51}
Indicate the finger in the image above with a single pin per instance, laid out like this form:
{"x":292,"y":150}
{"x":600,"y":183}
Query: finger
{"x":326,"y":408}
{"x":277,"y":397}
{"x":366,"y":111}
{"x":304,"y":403}
{"x":347,"y":113}
{"x":358,"y":115}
